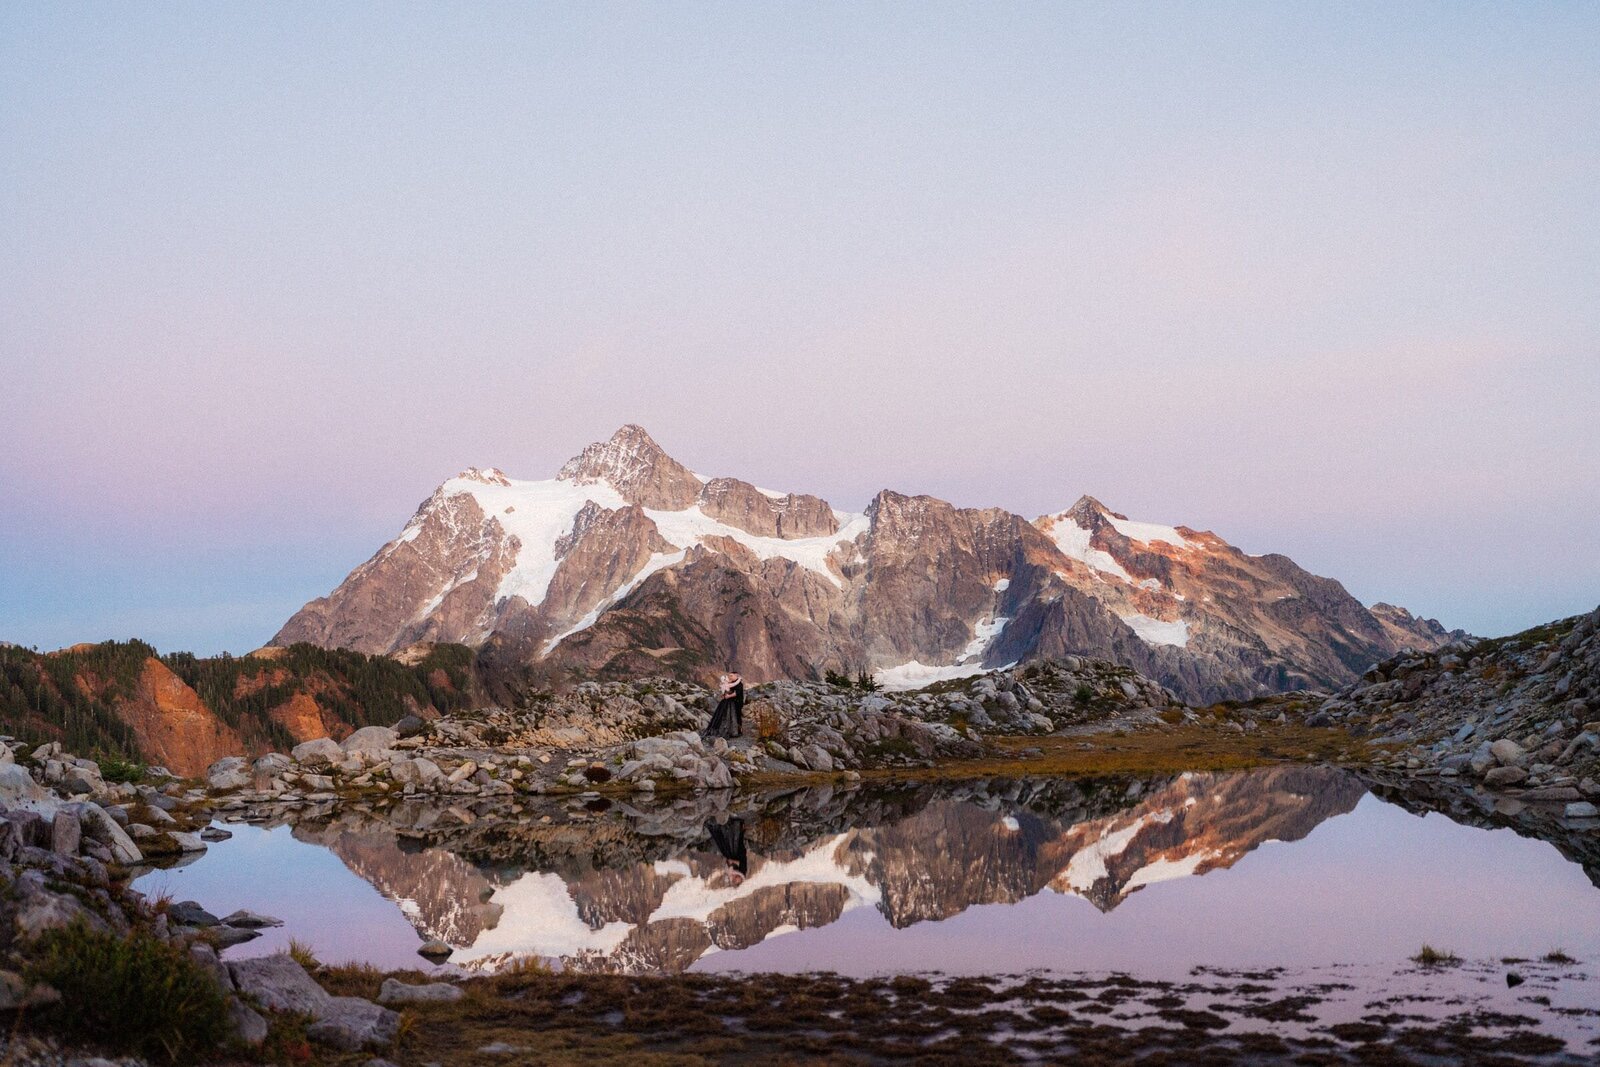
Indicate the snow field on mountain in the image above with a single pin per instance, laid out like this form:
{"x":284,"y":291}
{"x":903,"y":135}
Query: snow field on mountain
{"x":916,"y":675}
{"x":1073,"y":541}
{"x":537,"y":514}
{"x":540,"y":513}
{"x":698,"y":899}
{"x":1149,"y":532}
{"x":1088,"y":865}
{"x":691,"y":526}
{"x":1158,"y":631}
{"x":983,"y":635}
{"x":539,"y":916}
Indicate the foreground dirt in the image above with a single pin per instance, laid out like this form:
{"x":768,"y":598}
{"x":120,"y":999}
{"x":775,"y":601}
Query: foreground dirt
{"x":1211,"y":1018}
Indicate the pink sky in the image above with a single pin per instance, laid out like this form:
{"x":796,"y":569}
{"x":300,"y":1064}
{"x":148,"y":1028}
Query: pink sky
{"x":1323,"y":282}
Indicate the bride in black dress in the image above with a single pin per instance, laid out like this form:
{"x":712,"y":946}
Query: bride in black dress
{"x":728,"y":719}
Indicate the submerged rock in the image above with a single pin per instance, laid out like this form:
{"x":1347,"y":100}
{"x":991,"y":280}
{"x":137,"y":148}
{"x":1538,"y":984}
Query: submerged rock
{"x":249,"y":920}
{"x":435,"y":950}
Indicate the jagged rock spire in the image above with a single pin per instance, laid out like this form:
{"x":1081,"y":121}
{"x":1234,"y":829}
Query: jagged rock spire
{"x":636,"y":467}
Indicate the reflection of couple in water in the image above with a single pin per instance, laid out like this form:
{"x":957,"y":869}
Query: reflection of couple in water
{"x":729,"y":839}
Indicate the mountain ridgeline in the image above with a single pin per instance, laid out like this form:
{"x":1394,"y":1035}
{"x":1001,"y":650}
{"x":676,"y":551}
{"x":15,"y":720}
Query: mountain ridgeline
{"x":122,"y":699}
{"x":629,"y":564}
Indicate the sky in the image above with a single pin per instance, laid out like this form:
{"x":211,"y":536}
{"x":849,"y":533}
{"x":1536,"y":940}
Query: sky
{"x":1320,"y":278}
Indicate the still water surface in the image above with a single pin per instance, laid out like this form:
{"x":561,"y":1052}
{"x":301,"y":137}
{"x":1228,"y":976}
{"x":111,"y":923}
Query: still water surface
{"x":1287,"y":866}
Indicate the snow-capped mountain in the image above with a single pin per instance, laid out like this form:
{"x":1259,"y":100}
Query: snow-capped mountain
{"x":629,"y":563}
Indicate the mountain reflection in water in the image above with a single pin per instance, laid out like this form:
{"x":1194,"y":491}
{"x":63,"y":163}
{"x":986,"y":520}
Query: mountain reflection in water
{"x":649,"y":891}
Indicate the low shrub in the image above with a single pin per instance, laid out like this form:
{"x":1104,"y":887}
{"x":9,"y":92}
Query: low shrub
{"x":117,"y":770}
{"x":131,"y":993}
{"x":767,"y":721}
{"x":1429,"y":956}
{"x":302,"y":954}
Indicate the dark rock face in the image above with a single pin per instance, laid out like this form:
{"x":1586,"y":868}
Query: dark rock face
{"x":603,"y":552}
{"x":931,"y":568}
{"x":454,"y":563}
{"x":630,"y":564}
{"x":713,"y":611}
{"x":743,"y":505}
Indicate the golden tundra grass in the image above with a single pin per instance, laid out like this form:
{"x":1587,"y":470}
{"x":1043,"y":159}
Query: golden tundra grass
{"x":1148,"y":750}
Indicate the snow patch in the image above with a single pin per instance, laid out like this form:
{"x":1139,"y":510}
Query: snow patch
{"x":1165,"y":870}
{"x":1158,"y":631}
{"x":697,"y":899}
{"x":983,"y":635}
{"x":692,"y":526}
{"x":450,"y":587}
{"x":1149,"y":532}
{"x":1002,"y":585}
{"x":1088,"y":865}
{"x":540,"y":514}
{"x":916,"y":675}
{"x":969,"y":664}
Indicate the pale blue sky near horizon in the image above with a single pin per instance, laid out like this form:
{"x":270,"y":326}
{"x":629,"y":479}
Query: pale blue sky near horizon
{"x":1321,"y":278}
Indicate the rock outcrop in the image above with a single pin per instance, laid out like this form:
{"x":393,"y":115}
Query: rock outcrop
{"x":1518,"y":715}
{"x":62,"y":857}
{"x":174,"y":726}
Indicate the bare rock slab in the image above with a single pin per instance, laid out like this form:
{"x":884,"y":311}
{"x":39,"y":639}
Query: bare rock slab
{"x":395,"y":991}
{"x":351,"y":1024}
{"x":278,"y":983}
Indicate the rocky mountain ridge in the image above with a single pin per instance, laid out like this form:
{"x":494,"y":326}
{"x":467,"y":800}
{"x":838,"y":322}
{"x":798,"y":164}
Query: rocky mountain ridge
{"x":184,"y":712}
{"x":629,"y":564}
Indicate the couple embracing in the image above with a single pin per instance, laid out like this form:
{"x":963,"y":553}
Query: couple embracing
{"x":728,"y":719}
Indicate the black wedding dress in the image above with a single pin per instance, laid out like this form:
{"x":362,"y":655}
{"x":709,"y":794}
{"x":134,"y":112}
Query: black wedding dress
{"x":728,"y":719}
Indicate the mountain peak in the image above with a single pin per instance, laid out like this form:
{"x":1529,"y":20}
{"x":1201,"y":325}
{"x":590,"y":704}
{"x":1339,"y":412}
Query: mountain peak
{"x":484,"y":475}
{"x":1088,"y":509}
{"x":636,"y":467}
